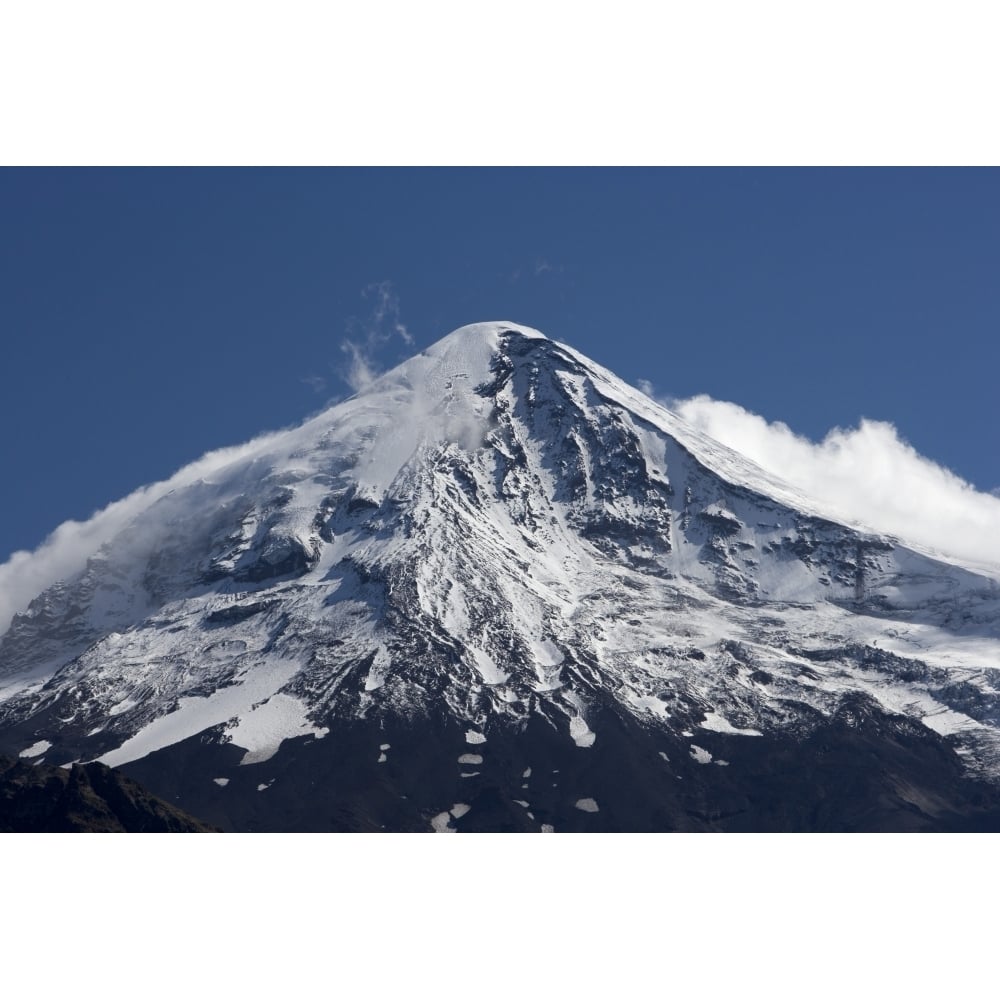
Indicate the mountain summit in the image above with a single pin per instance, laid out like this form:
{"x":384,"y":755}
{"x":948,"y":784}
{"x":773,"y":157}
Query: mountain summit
{"x":500,"y":589}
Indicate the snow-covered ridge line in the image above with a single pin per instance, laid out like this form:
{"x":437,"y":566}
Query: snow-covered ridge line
{"x":739,"y":470}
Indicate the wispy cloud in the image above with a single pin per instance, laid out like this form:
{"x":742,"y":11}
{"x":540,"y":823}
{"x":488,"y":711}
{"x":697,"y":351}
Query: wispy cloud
{"x":866,"y":474}
{"x":66,"y":551}
{"x":367,"y":336}
{"x":535,"y":269}
{"x":315,"y":382}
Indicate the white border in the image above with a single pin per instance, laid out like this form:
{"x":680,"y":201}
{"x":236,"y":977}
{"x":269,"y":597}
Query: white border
{"x":540,"y":82}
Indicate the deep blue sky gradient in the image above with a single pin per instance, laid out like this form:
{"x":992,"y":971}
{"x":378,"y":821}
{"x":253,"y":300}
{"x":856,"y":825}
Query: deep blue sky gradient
{"x":148,"y":316}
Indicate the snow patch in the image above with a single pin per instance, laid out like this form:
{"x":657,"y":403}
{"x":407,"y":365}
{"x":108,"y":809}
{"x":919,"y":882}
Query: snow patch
{"x":377,"y":672}
{"x":701,"y":755}
{"x":221,"y":782}
{"x":487,"y":668}
{"x":459,"y":809}
{"x":472,"y":736}
{"x":948,"y":722}
{"x":36,"y":749}
{"x":442,"y":823}
{"x":263,"y":730}
{"x":717,"y":724}
{"x":587,"y":805}
{"x":581,"y":732}
{"x":195,"y":715}
{"x":649,"y":703}
{"x":470,"y":758}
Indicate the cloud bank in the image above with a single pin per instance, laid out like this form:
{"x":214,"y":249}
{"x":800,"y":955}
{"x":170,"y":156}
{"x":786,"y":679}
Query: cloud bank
{"x":867,"y":474}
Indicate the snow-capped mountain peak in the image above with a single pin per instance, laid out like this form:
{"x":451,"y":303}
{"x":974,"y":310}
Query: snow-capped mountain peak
{"x":498,"y":536}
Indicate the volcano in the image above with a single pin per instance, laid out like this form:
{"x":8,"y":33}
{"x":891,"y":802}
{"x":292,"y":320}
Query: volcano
{"x":502,"y":590}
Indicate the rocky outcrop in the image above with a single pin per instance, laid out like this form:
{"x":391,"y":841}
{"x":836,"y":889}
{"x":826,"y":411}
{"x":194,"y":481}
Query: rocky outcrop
{"x":84,"y":798}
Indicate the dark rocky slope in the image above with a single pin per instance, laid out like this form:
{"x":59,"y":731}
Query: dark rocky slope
{"x":85,"y":798}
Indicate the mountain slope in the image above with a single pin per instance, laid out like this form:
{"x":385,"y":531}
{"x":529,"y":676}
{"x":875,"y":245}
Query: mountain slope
{"x":86,"y":798}
{"x":501,"y":559}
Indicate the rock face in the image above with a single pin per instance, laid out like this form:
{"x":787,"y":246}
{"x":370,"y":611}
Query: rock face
{"x":85,"y":798}
{"x":495,"y":585}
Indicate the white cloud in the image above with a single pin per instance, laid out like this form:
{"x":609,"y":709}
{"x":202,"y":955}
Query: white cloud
{"x":65,"y":552}
{"x":867,"y":474}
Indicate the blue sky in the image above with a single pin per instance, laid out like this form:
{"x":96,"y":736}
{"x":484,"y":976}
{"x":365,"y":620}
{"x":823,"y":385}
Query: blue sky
{"x":151,"y":315}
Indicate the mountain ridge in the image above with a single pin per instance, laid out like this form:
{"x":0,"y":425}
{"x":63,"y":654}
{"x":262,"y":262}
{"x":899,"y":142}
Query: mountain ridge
{"x":500,"y":535}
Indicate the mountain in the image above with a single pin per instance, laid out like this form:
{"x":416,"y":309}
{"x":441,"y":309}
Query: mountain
{"x":500,"y":589}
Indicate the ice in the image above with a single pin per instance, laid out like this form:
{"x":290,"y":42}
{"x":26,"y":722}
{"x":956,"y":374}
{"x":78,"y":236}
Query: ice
{"x":587,"y":805}
{"x":469,"y":774}
{"x":548,"y":828}
{"x":382,"y":758}
{"x":470,"y":758}
{"x":473,"y":737}
{"x":36,"y":749}
{"x":384,"y":746}
{"x":522,"y":803}
{"x":701,"y":755}
{"x":527,"y":773}
{"x":222,"y":782}
{"x":459,"y":809}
